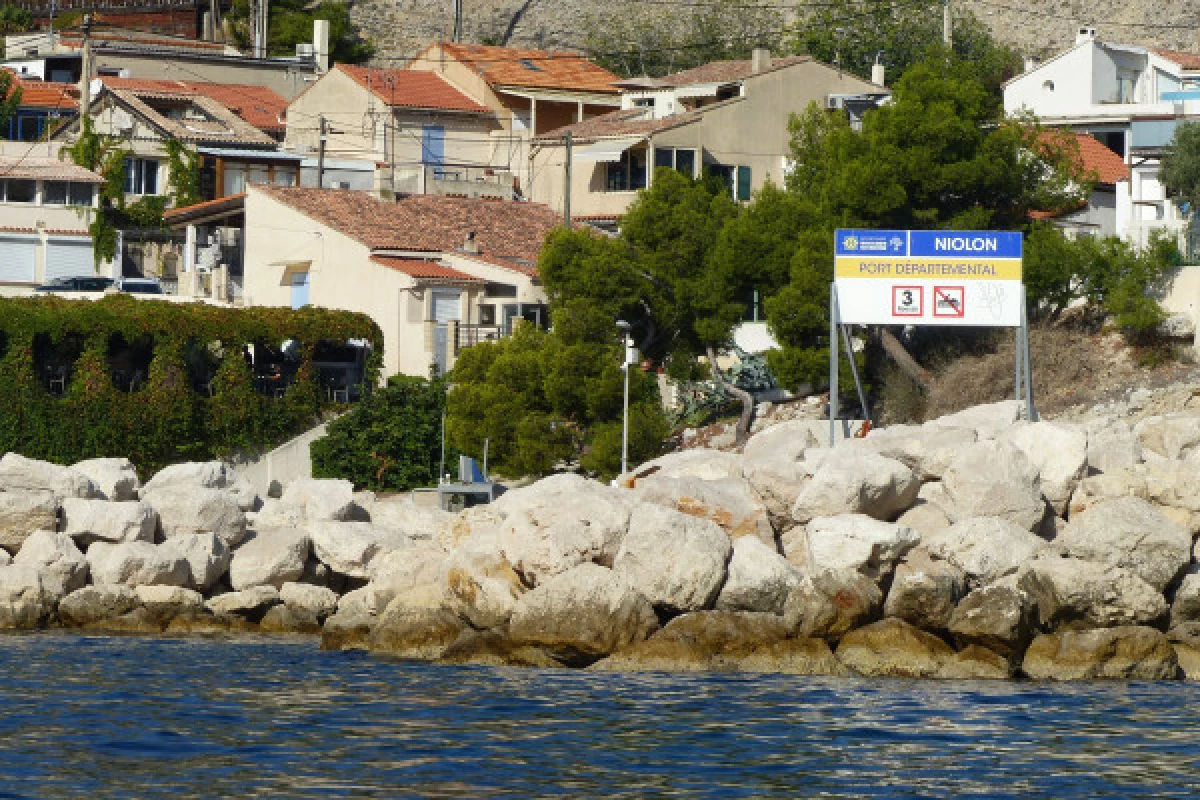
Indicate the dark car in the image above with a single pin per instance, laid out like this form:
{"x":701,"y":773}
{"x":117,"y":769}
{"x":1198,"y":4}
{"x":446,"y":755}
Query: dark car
{"x":77,"y":284}
{"x":140,"y":286}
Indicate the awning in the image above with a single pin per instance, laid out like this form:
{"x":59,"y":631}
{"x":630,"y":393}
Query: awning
{"x":290,"y":267}
{"x":248,"y":154}
{"x":607,"y":150}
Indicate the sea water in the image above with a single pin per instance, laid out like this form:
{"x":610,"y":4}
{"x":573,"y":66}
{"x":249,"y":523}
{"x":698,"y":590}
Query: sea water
{"x":126,"y":717}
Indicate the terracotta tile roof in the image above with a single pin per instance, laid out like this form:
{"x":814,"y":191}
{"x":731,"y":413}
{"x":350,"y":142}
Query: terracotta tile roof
{"x":47,"y":169}
{"x":50,"y":231}
{"x":726,"y":71}
{"x":412,"y":89}
{"x":623,"y":122}
{"x":258,"y":105}
{"x":1101,"y":163}
{"x":220,"y":125}
{"x":220,"y":204}
{"x":423,"y":268}
{"x":533,"y":69}
{"x":508,"y":234}
{"x":47,"y":94}
{"x":1185,"y":60}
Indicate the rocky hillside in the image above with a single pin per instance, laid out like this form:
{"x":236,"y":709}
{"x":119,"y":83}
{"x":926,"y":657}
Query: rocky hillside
{"x":1039,"y":27}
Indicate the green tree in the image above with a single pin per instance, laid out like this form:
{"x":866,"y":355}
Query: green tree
{"x":1179,"y":170}
{"x":291,"y":23}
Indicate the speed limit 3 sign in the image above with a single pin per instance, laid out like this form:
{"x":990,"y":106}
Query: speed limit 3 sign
{"x":908,"y":301}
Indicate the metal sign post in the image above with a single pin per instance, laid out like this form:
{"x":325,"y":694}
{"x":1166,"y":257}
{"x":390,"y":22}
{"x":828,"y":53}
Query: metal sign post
{"x":949,"y":278}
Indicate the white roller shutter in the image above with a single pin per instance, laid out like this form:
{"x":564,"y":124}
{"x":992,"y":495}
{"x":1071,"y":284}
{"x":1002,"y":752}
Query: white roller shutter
{"x":446,"y":306}
{"x":17,"y":258}
{"x":68,"y":258}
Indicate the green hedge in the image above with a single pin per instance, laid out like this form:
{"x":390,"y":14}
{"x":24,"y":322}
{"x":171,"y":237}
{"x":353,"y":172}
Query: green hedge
{"x":165,"y":419}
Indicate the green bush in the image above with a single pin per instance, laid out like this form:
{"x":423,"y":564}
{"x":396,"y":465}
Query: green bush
{"x":389,"y":441}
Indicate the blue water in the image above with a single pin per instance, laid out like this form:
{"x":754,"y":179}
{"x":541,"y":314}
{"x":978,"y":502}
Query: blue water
{"x":101,"y":717}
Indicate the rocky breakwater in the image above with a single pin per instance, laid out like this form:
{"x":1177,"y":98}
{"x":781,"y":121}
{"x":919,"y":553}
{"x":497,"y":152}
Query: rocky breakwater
{"x":974,"y":546}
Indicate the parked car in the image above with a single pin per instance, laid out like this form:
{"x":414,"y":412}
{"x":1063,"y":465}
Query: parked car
{"x":77,"y":284}
{"x":140,"y":286}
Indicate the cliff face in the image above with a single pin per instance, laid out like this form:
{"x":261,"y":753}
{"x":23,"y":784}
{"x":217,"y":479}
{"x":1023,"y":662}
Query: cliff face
{"x":400,"y":28}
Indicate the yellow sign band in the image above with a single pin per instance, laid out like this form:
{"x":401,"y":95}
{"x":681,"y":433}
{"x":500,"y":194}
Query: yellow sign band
{"x":947,"y":268}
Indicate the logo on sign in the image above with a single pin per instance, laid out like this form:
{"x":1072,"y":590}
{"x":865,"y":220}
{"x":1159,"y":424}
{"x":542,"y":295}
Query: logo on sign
{"x":908,"y":301}
{"x":850,"y":243}
{"x":897,"y":243}
{"x":948,"y":301}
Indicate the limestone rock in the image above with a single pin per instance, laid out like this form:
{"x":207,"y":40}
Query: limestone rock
{"x":828,"y":604}
{"x":924,"y":591}
{"x":1189,"y":660}
{"x":1186,"y":605}
{"x":63,"y":567}
{"x":675,"y":560}
{"x":975,"y":663}
{"x":988,"y":420}
{"x":893,"y":648}
{"x":1058,"y":453}
{"x":852,"y":541}
{"x":1071,"y":592}
{"x":207,"y":557}
{"x":402,"y":514}
{"x":790,"y":657}
{"x":997,"y":617}
{"x":489,"y":648}
{"x":251,"y":603}
{"x":696,"y":462}
{"x":1125,"y":653}
{"x":90,"y":520}
{"x":349,"y":547}
{"x":321,"y":499}
{"x":731,"y":502}
{"x":985,"y":548}
{"x":415,"y":633}
{"x":25,"y":602}
{"x":757,"y":578}
{"x":182,"y":510}
{"x":1173,"y":436}
{"x":773,"y":462}
{"x":21,"y":474}
{"x":359,"y":601}
{"x":272,"y":558}
{"x":92,"y":603}
{"x":851,"y":481}
{"x":925,"y":449}
{"x":24,"y":511}
{"x":289,"y":619}
{"x":136,"y":564}
{"x":190,"y":475}
{"x":1172,"y":484}
{"x":115,"y":479}
{"x":994,"y":479}
{"x":402,"y":571}
{"x":1113,"y":447}
{"x":583,"y":614}
{"x":481,"y":586}
{"x":166,"y":602}
{"x":1129,"y":532}
{"x":316,"y":600}
{"x":700,"y":641}
{"x":347,"y":630}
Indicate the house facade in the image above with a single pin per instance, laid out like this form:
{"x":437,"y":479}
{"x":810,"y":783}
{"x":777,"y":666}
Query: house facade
{"x":43,"y":107}
{"x":727,"y":118}
{"x":417,"y":131}
{"x":437,"y":273}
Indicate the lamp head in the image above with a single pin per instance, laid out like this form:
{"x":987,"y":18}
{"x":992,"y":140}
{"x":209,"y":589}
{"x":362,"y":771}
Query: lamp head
{"x":623,"y":325}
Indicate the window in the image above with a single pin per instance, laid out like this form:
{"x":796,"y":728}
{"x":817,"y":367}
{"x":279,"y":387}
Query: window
{"x":681,"y":159}
{"x":644,"y":102}
{"x":29,"y":127}
{"x":628,"y":174}
{"x":1126,"y":82}
{"x":54,"y":193}
{"x":80,"y":194}
{"x":235,"y":179}
{"x":20,"y":191}
{"x":141,"y":176}
{"x":487,"y":314}
{"x":258,"y":175}
{"x":284,"y":176}
{"x":738,"y":179}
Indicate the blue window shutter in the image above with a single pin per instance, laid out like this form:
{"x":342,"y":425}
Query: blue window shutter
{"x":743,"y":183}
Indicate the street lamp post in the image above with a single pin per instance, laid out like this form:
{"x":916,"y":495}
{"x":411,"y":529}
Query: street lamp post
{"x":630,"y":359}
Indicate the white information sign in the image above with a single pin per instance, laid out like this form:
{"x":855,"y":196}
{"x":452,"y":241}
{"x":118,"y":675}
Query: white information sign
{"x":928,"y":277}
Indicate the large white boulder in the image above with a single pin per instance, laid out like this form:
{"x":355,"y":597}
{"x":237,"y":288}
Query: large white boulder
{"x":401,"y":513}
{"x":191,"y":475}
{"x":925,"y":449}
{"x":63,"y":567}
{"x":273,"y":557}
{"x":731,"y":502}
{"x":94,"y":603}
{"x":757,"y":578}
{"x":24,"y":511}
{"x":675,"y":560}
{"x":1075,"y":593}
{"x":25,"y":602}
{"x":851,"y":481}
{"x":1173,"y":436}
{"x":115,"y":479}
{"x":349,"y":548}
{"x":136,"y":564}
{"x":1112,"y":445}
{"x":985,"y":548}
{"x":1171,"y":483}
{"x":988,"y":420}
{"x":321,"y":499}
{"x":316,"y":600}
{"x":184,"y":510}
{"x":401,"y":571}
{"x":18,"y":473}
{"x":850,"y":541}
{"x":248,"y":602}
{"x":550,"y":526}
{"x":1058,"y":453}
{"x":924,"y":591}
{"x":928,"y":514}
{"x":774,"y":463}
{"x":481,"y":586}
{"x":90,"y":520}
{"x":998,"y":617}
{"x":1131,"y":533}
{"x":994,"y":479}
{"x":697,"y":462}
{"x":829,"y":603}
{"x":169,"y":601}
{"x":207,"y":557}
{"x":583,"y":614}
{"x":1186,"y":605}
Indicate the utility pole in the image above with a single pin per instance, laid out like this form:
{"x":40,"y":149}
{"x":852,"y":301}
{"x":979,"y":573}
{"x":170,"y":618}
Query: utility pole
{"x":947,"y":26}
{"x":321,"y":151}
{"x":458,"y":21}
{"x":85,"y":79}
{"x":567,"y":183}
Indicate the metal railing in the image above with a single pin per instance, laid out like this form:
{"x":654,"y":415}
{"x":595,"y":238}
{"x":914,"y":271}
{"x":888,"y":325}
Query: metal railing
{"x":472,"y":334}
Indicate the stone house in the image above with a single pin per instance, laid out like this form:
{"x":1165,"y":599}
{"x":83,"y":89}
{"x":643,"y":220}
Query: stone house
{"x":728,"y":118}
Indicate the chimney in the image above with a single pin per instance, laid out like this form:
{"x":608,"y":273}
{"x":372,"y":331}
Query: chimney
{"x":1084,"y":35}
{"x":470,"y":245}
{"x":878,"y":73}
{"x":760,"y":59}
{"x":321,"y":43}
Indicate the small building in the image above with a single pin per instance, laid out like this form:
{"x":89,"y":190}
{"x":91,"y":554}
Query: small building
{"x":437,"y":273}
{"x":426,"y":136}
{"x":43,"y":107}
{"x":47,"y":206}
{"x":727,"y":118}
{"x":1109,"y":199}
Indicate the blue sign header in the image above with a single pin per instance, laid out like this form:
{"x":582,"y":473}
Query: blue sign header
{"x":928,"y":244}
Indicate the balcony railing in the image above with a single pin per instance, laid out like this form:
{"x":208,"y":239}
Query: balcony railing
{"x":473,"y":334}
